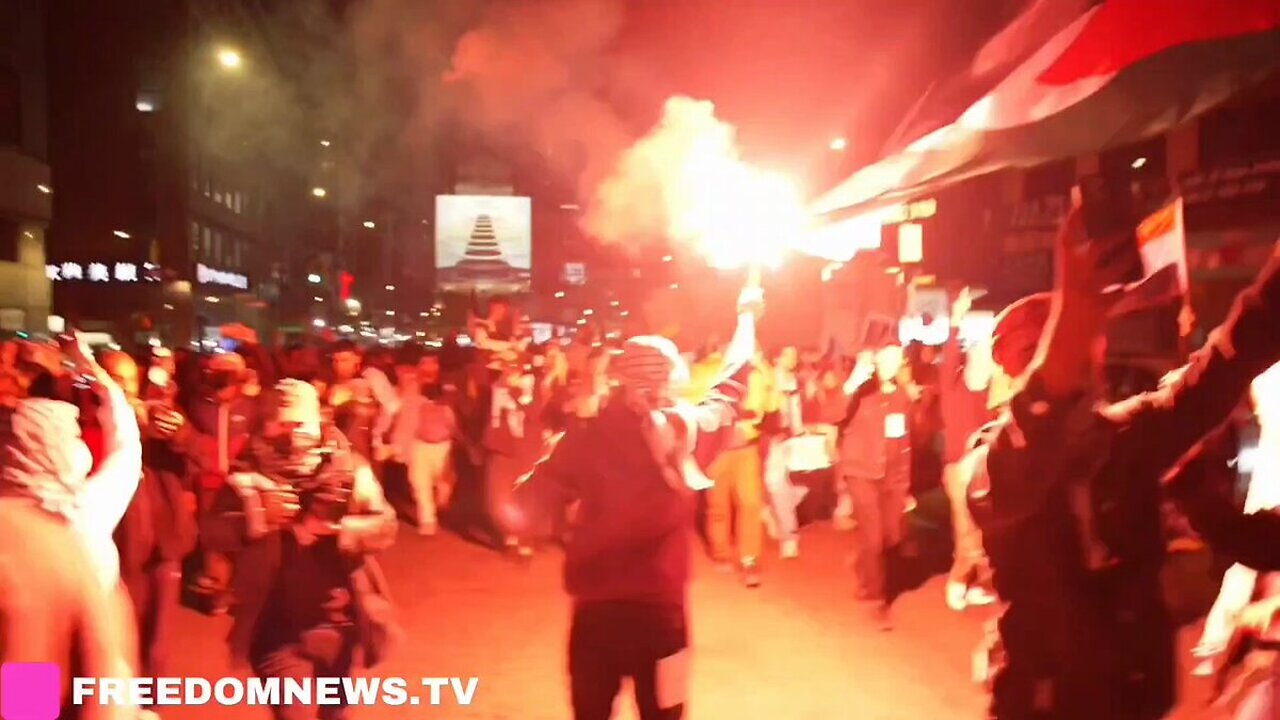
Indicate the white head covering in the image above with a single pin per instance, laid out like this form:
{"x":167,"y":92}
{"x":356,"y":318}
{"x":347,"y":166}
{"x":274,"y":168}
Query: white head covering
{"x":43,"y":456}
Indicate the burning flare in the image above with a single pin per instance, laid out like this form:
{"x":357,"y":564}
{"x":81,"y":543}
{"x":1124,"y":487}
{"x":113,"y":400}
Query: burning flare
{"x":686,"y":181}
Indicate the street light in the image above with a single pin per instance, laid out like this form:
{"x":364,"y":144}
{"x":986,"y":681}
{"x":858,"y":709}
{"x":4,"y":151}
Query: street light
{"x":120,"y":234}
{"x":229,"y":58}
{"x":370,"y":224}
{"x":314,"y":279}
{"x":325,"y":143}
{"x":319,"y":192}
{"x":44,"y":188}
{"x":391,"y":288}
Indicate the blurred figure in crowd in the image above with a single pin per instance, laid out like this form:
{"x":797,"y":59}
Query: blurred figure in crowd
{"x":502,"y":329}
{"x":627,"y":558}
{"x":786,"y":409}
{"x":62,"y":599}
{"x":964,"y":381}
{"x":159,"y":528}
{"x":875,"y":462}
{"x":306,"y":515}
{"x":513,"y":442}
{"x":1247,"y":599}
{"x":735,"y":502}
{"x":1067,"y":493}
{"x":350,"y":400}
{"x":221,"y":421}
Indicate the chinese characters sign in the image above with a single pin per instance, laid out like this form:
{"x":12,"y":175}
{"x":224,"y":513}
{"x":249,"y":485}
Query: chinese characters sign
{"x":100,"y":272}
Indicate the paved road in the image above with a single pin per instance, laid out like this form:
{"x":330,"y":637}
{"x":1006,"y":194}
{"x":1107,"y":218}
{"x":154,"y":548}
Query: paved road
{"x":796,"y":649}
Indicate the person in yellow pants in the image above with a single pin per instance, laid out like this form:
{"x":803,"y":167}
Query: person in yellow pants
{"x":737,"y":498}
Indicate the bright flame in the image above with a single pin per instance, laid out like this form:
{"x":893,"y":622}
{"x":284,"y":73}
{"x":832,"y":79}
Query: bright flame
{"x":685,"y":180}
{"x":229,"y":58}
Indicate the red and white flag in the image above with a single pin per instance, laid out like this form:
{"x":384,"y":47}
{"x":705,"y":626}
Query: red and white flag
{"x":1122,"y":71}
{"x":1162,"y":243}
{"x":1162,"y":250}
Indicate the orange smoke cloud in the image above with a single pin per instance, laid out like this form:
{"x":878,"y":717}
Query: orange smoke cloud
{"x":533,"y":71}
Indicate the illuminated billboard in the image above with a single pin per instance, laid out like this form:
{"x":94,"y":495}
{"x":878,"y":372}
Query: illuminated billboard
{"x":484,"y":242}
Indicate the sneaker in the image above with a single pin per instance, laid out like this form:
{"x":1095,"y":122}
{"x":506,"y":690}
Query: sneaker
{"x":789,"y":549}
{"x":750,"y":573}
{"x":957,"y":595}
{"x":979,"y":597}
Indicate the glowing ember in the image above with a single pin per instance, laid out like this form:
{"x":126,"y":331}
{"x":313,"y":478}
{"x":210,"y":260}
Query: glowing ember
{"x":686,"y":181}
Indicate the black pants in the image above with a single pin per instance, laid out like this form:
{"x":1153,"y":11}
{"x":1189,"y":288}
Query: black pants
{"x":324,"y":652}
{"x":879,"y":506}
{"x":613,"y":640}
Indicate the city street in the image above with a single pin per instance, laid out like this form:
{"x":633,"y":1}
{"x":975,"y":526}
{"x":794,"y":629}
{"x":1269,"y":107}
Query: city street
{"x":798,"y":648}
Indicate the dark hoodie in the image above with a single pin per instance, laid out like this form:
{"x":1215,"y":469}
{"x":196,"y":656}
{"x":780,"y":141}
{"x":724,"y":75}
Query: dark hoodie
{"x":633,"y":535}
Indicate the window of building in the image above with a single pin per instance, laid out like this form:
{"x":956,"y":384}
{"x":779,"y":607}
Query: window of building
{"x":206,"y":237}
{"x":237,"y":204}
{"x":1241,"y":135}
{"x":9,"y":240}
{"x":10,"y":107}
{"x":207,"y":182}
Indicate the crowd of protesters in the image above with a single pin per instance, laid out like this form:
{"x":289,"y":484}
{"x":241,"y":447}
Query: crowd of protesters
{"x":264,"y":480}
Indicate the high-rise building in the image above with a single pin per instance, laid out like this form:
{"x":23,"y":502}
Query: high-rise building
{"x":25,"y":187}
{"x":173,"y":202}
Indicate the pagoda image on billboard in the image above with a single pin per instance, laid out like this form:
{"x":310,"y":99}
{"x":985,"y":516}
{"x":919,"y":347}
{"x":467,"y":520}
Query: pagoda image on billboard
{"x":483,"y":243}
{"x":483,"y":258}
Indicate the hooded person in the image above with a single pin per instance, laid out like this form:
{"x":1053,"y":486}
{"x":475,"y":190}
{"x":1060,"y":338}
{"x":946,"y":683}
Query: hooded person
{"x":1066,"y":491}
{"x":45,"y":459}
{"x":61,"y":599}
{"x":633,"y":468}
{"x":306,"y":515}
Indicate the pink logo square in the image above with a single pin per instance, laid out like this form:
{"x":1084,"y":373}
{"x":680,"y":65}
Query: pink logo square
{"x":30,"y":691}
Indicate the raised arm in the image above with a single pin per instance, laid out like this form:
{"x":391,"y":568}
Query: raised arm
{"x":1174,"y":419}
{"x":711,"y":422}
{"x":109,"y":491}
{"x":1063,"y":359}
